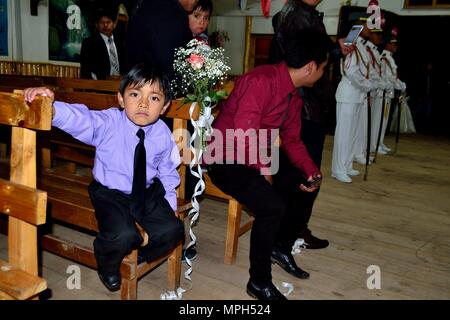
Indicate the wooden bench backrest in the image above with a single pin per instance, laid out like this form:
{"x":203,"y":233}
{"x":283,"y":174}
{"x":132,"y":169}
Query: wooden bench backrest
{"x":71,"y":84}
{"x":25,"y":205}
{"x":11,"y":82}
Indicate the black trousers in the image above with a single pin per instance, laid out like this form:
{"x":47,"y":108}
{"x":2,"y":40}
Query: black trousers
{"x":276,"y":209}
{"x":313,"y":137}
{"x":118,"y":234}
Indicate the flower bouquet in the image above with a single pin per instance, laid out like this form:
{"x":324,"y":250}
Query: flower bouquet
{"x":199,"y":72}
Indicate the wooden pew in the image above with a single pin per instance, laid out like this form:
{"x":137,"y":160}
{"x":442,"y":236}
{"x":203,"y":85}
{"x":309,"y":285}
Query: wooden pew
{"x":19,"y":198}
{"x":11,"y":82}
{"x":70,"y":204}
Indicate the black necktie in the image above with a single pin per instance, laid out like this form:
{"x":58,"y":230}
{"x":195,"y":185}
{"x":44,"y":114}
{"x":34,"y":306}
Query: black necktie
{"x":139,"y":177}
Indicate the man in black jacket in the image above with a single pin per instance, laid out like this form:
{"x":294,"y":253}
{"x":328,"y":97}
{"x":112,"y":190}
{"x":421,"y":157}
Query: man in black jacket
{"x":317,"y":101}
{"x":101,"y":54}
{"x":156,"y":29}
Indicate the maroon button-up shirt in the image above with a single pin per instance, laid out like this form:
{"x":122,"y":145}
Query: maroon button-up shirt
{"x":264,"y":98}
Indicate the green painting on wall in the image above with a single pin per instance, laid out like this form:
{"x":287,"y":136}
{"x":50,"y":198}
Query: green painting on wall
{"x":3,"y":28}
{"x":70,"y":22}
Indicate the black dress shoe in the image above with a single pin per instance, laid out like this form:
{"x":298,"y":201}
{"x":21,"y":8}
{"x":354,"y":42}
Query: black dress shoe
{"x":111,"y":282}
{"x":311,"y":242}
{"x":267,"y":293}
{"x":287,"y":262}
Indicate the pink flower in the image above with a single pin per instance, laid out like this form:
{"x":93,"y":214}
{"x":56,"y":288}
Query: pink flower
{"x":196,"y":61}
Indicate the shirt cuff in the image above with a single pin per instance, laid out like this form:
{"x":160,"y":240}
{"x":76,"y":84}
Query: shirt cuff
{"x":61,"y":113}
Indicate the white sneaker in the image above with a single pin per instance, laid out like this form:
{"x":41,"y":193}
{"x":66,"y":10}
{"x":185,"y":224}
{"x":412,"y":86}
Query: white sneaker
{"x":353,"y":173}
{"x":342,"y":178}
{"x":362,"y":159}
{"x":381,"y":151}
{"x":386,"y":148}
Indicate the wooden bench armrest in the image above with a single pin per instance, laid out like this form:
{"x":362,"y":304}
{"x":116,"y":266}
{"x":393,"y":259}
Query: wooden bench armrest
{"x":19,"y":284}
{"x":22,"y":202}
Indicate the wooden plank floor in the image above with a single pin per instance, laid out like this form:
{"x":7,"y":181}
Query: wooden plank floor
{"x":399,"y":220}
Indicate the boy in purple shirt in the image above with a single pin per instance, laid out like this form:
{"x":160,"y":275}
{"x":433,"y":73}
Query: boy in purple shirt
{"x":129,"y":186}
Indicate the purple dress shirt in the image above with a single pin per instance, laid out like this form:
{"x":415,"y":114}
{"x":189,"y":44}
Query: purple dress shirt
{"x":114,"y":137}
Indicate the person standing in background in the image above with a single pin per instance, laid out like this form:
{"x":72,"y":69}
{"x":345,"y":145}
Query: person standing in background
{"x":378,"y":95}
{"x":102,"y":56}
{"x":351,"y":106}
{"x":155,"y":30}
{"x":389,"y":71}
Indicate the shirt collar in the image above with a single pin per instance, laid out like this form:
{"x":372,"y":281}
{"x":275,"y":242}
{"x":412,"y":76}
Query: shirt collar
{"x":286,"y":84}
{"x":371,"y":45}
{"x":360,"y":40}
{"x":133,"y":128}
{"x":105,"y":38}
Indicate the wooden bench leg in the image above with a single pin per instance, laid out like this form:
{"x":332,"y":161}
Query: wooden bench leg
{"x":3,"y":151}
{"x":233,"y":228}
{"x":46,"y":160}
{"x":128,"y":287}
{"x":174,"y":268}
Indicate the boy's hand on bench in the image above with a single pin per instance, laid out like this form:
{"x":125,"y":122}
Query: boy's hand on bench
{"x":31,"y":93}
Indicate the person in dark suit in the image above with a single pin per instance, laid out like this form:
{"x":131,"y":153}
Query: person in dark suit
{"x":102,"y":56}
{"x":156,"y":29}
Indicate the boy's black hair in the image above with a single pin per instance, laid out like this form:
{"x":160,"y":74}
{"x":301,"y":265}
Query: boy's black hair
{"x":144,"y":73}
{"x":306,"y":45}
{"x":204,"y":5}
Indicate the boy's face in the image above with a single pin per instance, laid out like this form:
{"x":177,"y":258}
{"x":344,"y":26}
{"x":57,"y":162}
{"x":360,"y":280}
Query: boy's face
{"x":143,"y":105}
{"x":106,"y":26}
{"x":198,"y":21}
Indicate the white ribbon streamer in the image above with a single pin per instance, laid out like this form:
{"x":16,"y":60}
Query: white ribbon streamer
{"x":171,"y":295}
{"x":202,"y":128}
{"x":288,"y":286}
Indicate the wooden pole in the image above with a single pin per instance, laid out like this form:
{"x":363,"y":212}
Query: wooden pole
{"x":23,"y":236}
{"x":247,"y":49}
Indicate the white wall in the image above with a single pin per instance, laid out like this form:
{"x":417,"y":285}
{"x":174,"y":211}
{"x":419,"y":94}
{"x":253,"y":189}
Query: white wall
{"x":14,"y":43}
{"x":29,"y":34}
{"x":230,"y":15}
{"x":34,"y":32}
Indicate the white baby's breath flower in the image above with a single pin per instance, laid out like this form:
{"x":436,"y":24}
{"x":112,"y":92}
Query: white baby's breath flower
{"x":198,"y":68}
